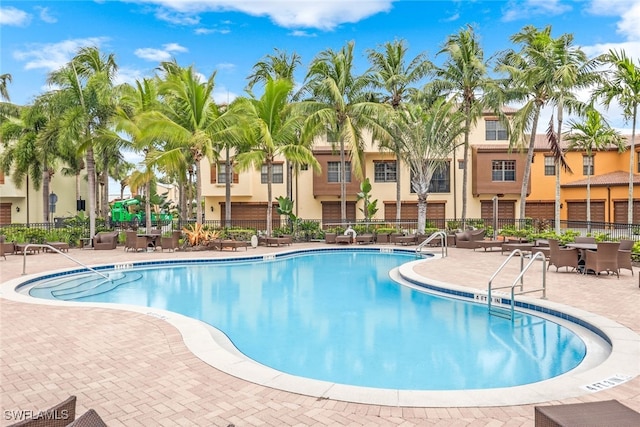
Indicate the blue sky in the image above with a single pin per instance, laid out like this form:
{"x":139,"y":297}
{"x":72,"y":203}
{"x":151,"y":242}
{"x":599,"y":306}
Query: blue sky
{"x":230,"y":36}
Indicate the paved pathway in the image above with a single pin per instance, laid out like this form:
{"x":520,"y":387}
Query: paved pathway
{"x":134,"y":370}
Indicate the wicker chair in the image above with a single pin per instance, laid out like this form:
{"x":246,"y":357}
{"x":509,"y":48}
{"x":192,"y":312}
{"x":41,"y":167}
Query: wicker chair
{"x":135,"y":242}
{"x":604,"y":259}
{"x":60,"y":415}
{"x":469,"y":239}
{"x":171,"y":243}
{"x":88,"y":419}
{"x":562,"y":257}
{"x":624,"y":255}
{"x":105,"y":240}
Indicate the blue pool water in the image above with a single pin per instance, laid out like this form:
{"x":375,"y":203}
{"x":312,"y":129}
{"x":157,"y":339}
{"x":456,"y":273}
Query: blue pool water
{"x":337,"y":316}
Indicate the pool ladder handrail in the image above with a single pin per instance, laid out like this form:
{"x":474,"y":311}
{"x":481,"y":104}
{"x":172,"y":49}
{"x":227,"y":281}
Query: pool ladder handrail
{"x":520,"y":278}
{"x":39,"y":245}
{"x":443,"y":243}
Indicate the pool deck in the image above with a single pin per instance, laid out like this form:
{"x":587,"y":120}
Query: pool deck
{"x":135,"y":369}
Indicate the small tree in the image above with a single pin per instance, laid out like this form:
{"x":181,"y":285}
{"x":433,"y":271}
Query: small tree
{"x":370,"y":207}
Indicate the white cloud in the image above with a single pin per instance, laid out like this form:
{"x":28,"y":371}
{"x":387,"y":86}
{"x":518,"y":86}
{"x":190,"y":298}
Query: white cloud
{"x":627,"y":10}
{"x":516,"y":10}
{"x":12,"y":16}
{"x":52,"y":56}
{"x":226,"y":66}
{"x":324,"y":15}
{"x":200,"y":31}
{"x":300,"y":33}
{"x":631,"y":48}
{"x":177,"y":18}
{"x":46,"y":16}
{"x":128,"y":75}
{"x":221,"y":95}
{"x":157,"y":55}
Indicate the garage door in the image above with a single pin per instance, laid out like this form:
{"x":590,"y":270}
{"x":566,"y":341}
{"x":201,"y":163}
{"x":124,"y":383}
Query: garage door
{"x":252,"y":215}
{"x":332,"y":212}
{"x":540,"y":210}
{"x":506,"y":212}
{"x":409,"y":212}
{"x":620,"y":211}
{"x":577,"y":212}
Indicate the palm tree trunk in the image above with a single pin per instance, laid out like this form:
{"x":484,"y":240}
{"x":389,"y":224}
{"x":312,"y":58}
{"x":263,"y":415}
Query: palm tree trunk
{"x":398,"y":190}
{"x":527,"y":167}
{"x":589,"y":201}
{"x":422,"y":212}
{"x":45,"y":192}
{"x":227,"y":188}
{"x":559,"y":139}
{"x":198,"y":192}
{"x":182,"y":188}
{"x":104,"y":205}
{"x":147,"y":204}
{"x":632,"y":165}
{"x":91,"y":175}
{"x":465,"y":171}
{"x":269,"y":197}
{"x":343,"y":183}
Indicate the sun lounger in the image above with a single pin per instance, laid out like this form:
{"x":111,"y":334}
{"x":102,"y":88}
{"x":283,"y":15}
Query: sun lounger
{"x":230,"y":244}
{"x":606,"y":413}
{"x":277,"y":241}
{"x":364,"y":239}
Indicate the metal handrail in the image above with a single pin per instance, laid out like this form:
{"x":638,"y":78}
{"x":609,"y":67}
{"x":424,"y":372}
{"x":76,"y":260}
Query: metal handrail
{"x":523,"y":269}
{"x":443,"y":241}
{"x":38,"y":245}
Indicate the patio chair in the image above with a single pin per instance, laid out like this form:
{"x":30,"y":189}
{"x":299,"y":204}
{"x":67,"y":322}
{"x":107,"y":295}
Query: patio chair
{"x":172,"y":242}
{"x":468,"y":239}
{"x":88,"y":419}
{"x":364,"y":239}
{"x":562,"y":257}
{"x":60,"y":415}
{"x":603,"y":259}
{"x":135,"y":242}
{"x":105,"y":240}
{"x":330,"y":237}
{"x":624,"y":255}
{"x":5,"y":247}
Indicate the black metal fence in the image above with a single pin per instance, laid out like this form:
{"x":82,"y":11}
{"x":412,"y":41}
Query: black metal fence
{"x":314,"y":228}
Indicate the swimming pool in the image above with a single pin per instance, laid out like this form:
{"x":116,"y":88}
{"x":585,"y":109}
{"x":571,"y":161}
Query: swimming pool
{"x":336,"y":316}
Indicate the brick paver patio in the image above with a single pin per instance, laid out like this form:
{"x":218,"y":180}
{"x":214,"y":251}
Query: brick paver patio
{"x":135,"y":370}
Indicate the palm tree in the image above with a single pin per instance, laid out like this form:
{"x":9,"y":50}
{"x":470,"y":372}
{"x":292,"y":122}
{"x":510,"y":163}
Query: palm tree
{"x":7,"y":109}
{"x":545,"y":71}
{"x":464,"y":77}
{"x":280,"y":65}
{"x":274,"y":131}
{"x":4,"y":93}
{"x":85,"y":87}
{"x":339,"y":105}
{"x":134,"y":103}
{"x":30,"y":151}
{"x":594,"y":134}
{"x":189,"y":122}
{"x":622,"y":83}
{"x":428,"y":135}
{"x":390,"y":71}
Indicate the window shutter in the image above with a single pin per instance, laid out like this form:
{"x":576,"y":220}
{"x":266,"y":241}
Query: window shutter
{"x":214,"y":173}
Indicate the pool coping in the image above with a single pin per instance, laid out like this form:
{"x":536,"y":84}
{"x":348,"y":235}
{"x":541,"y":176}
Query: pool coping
{"x":214,"y":348}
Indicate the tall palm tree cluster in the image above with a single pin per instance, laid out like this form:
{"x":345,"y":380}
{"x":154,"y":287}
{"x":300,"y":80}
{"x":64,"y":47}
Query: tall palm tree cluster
{"x":414,"y":108}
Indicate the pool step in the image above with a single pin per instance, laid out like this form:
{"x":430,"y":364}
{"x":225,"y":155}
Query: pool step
{"x":72,"y":289}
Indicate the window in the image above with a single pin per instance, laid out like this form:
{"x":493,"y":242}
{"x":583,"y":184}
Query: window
{"x":333,"y":172}
{"x":503,"y":170}
{"x":495,"y":131}
{"x":460,"y":164}
{"x":277,"y":174}
{"x":384,"y":171}
{"x":440,"y":179}
{"x":219,"y":176}
{"x":587,"y":165}
{"x":304,"y":167}
{"x":549,"y":165}
{"x":440,"y":182}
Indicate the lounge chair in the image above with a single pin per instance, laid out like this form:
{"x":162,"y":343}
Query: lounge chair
{"x":135,"y":242}
{"x":330,"y":237}
{"x":605,"y":258}
{"x":60,"y":415}
{"x":624,"y":255}
{"x":364,"y":239}
{"x":105,"y":240}
{"x":468,"y":239}
{"x":562,"y":257}
{"x":172,"y":242}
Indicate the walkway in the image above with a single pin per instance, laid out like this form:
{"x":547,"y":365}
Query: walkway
{"x":134,"y":369}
